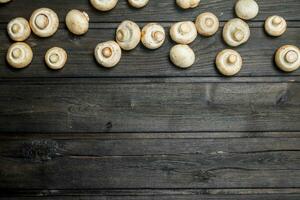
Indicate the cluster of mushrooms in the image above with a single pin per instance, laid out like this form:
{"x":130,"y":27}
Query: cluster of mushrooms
{"x":44,"y":22}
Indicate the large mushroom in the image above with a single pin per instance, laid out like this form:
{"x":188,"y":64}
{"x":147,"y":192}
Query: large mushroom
{"x":207,"y":24}
{"x":4,"y":1}
{"x":104,"y":5}
{"x":108,"y":54}
{"x":77,"y":22}
{"x":229,"y":62}
{"x":236,"y":32}
{"x":128,"y":35}
{"x":138,"y":3}
{"x":56,"y":58}
{"x":153,"y":36}
{"x":44,"y":22}
{"x":18,"y":29}
{"x":287,"y":58}
{"x":19,"y":55}
{"x":183,"y":32}
{"x":275,"y":25}
{"x":182,"y":56}
{"x":186,"y":4}
{"x":246,"y":9}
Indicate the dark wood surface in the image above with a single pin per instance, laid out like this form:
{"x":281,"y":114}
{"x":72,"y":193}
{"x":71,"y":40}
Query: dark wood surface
{"x":146,"y":130}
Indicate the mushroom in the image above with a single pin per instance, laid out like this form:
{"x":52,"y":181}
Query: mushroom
{"x":138,"y":3}
{"x":18,"y":29}
{"x":19,"y":55}
{"x":236,"y":32}
{"x":287,"y":58}
{"x":229,"y":62}
{"x":183,"y":32}
{"x":246,"y":9}
{"x":275,"y":25}
{"x":128,"y":35}
{"x":77,"y":22}
{"x":153,"y":36}
{"x":108,"y":54}
{"x":4,"y":1}
{"x":56,"y":58}
{"x":104,"y":5}
{"x":44,"y":22}
{"x":182,"y":56}
{"x":186,"y":4}
{"x":207,"y":24}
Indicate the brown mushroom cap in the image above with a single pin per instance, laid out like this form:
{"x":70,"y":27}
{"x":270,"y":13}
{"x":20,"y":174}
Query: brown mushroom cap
{"x":108,"y":54}
{"x":77,"y":22}
{"x":19,"y":55}
{"x":128,"y":35}
{"x":207,"y":24}
{"x":18,"y":29}
{"x":183,"y":32}
{"x":229,"y":62}
{"x":104,"y":5}
{"x":275,"y":25}
{"x":236,"y":32}
{"x":246,"y":9}
{"x":287,"y":58}
{"x":182,"y":56}
{"x":138,"y":3}
{"x":56,"y":58}
{"x":186,"y":4}
{"x":153,"y":36}
{"x":44,"y":22}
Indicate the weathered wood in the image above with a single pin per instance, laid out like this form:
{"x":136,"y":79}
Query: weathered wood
{"x":163,"y":10}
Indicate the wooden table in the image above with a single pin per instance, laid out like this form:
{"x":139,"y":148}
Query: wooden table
{"x":145,"y":129}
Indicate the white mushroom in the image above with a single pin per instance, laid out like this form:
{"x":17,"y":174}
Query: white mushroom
{"x":183,"y":32}
{"x":108,"y":54}
{"x":18,"y":29}
{"x":275,"y":25}
{"x":246,"y":9}
{"x":186,"y":4}
{"x":19,"y":55}
{"x":104,"y":5}
{"x":182,"y":56}
{"x":44,"y":22}
{"x":4,"y":1}
{"x":56,"y":58}
{"x":207,"y":24}
{"x":128,"y":35}
{"x":77,"y":22}
{"x":138,"y":3}
{"x":153,"y":36}
{"x":236,"y":32}
{"x":287,"y":58}
{"x":229,"y":62}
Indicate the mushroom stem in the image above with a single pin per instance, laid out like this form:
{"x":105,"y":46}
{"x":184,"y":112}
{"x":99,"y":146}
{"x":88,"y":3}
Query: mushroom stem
{"x":184,"y":28}
{"x":238,"y":35}
{"x":107,"y":52}
{"x":54,"y":58}
{"x":158,"y":36}
{"x":42,"y":21}
{"x":232,"y":59}
{"x":291,"y":56}
{"x":276,"y":20}
{"x":16,"y":53}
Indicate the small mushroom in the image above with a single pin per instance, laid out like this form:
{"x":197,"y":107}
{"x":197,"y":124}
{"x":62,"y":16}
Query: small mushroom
{"x":108,"y":54}
{"x":229,"y":62}
{"x":19,"y":55}
{"x":186,"y":4}
{"x":56,"y":58}
{"x":182,"y":56}
{"x":138,"y":3}
{"x":153,"y":36}
{"x":246,"y":9}
{"x":4,"y":1}
{"x":77,"y":22}
{"x":18,"y":29}
{"x":236,"y":32}
{"x":104,"y":5}
{"x":128,"y":35}
{"x":207,"y":24}
{"x":183,"y":32}
{"x":275,"y":25}
{"x":287,"y":58}
{"x":44,"y":22}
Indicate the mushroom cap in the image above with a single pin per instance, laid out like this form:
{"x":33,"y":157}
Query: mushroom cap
{"x":186,"y":4}
{"x":56,"y":58}
{"x":4,"y":1}
{"x":18,"y":29}
{"x":108,"y":54}
{"x":287,"y":58}
{"x":207,"y":24}
{"x":246,"y":9}
{"x":182,"y":56}
{"x":77,"y":22}
{"x":44,"y":22}
{"x":275,"y":25}
{"x":104,"y":5}
{"x":128,"y":35}
{"x":183,"y":32}
{"x":229,"y":62}
{"x":236,"y":32}
{"x":153,"y":36}
{"x":138,"y":3}
{"x":19,"y":55}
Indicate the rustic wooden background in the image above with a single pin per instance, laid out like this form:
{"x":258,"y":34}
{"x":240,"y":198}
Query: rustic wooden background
{"x":145,"y":129}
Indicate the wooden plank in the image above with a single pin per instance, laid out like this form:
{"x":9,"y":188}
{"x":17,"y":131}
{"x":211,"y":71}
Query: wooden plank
{"x":91,"y":106}
{"x":165,"y":10}
{"x":177,"y":163}
{"x":258,"y":59}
